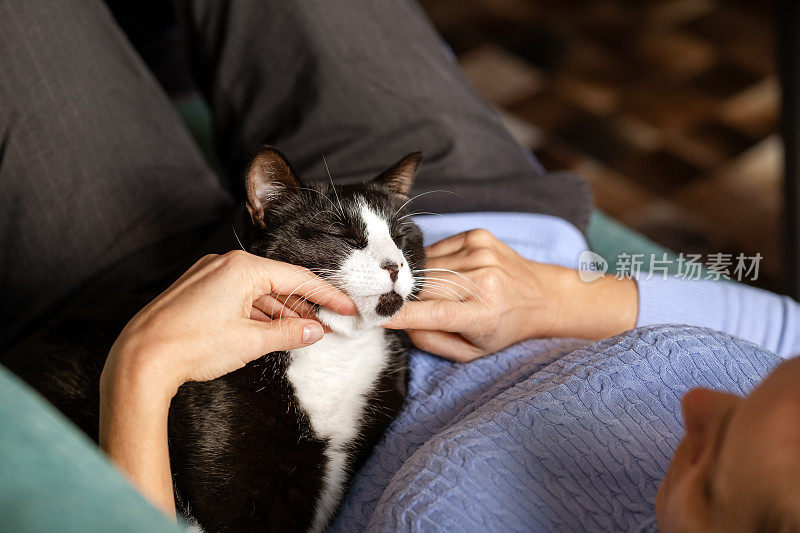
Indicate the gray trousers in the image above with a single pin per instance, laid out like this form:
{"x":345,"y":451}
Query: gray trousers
{"x":99,"y":174}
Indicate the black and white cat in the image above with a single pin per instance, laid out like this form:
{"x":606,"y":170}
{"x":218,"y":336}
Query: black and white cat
{"x":272,"y":446}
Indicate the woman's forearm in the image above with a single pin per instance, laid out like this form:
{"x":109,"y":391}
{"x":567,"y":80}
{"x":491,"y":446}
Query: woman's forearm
{"x":770,"y":320}
{"x":134,"y":408}
{"x":176,"y":338}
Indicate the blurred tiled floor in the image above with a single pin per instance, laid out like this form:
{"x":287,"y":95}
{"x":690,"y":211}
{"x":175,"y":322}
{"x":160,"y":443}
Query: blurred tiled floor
{"x":668,"y":108}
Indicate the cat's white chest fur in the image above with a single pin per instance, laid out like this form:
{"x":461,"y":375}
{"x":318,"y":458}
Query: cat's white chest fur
{"x":331,"y":380}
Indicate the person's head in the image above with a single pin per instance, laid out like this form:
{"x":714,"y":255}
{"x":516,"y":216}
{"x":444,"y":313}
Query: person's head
{"x":738,"y":466}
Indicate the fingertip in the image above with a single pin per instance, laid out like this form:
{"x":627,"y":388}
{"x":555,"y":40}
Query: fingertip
{"x":399,"y":320}
{"x":338,"y":302}
{"x":290,"y":333}
{"x":350,"y":308}
{"x":312,"y":332}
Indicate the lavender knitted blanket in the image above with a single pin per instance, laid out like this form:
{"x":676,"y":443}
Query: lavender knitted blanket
{"x":547,"y":435}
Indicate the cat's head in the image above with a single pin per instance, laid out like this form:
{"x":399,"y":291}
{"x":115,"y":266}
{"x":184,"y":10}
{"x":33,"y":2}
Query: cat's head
{"x":359,"y":237}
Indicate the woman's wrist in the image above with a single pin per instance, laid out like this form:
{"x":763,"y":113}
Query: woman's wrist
{"x":593,"y":310}
{"x":141,"y":369}
{"x":134,"y":414}
{"x":136,"y":379}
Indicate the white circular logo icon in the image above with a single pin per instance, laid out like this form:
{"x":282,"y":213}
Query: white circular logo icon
{"x":591,"y":266}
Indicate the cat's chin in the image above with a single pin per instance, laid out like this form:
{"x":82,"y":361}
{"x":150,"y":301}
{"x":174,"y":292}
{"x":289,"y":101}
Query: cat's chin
{"x":352,"y":325}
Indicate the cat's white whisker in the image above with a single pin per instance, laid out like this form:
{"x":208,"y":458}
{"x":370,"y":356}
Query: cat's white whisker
{"x":433,"y":282}
{"x":423,"y":194}
{"x":459,"y":274}
{"x":237,"y":237}
{"x":448,"y":294}
{"x":419,"y":213}
{"x":306,"y":296}
{"x":322,"y":195}
{"x":449,"y":288}
{"x":333,"y":187}
{"x":334,"y":223}
{"x":322,"y":213}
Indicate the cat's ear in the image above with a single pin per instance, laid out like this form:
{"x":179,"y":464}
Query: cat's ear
{"x":400,"y":177}
{"x":269,"y":177}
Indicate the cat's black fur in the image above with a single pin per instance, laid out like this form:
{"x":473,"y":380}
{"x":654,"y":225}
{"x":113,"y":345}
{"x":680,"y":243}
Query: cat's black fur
{"x":243,"y":455}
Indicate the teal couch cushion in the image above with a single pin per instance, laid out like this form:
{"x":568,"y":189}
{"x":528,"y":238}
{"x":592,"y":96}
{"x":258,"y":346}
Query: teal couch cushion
{"x":54,"y":479}
{"x":611,"y":239}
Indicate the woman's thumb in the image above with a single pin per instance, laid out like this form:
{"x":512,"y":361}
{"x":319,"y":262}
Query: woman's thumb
{"x":291,"y":333}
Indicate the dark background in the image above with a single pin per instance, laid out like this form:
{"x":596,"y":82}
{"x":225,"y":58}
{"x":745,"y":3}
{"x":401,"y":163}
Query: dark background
{"x":668,"y":108}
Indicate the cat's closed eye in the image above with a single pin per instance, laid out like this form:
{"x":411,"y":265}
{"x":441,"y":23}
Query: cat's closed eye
{"x":352,"y":238}
{"x":399,"y":234}
{"x":399,"y":239}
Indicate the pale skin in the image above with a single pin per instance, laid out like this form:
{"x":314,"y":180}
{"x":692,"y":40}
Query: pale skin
{"x":494,"y":298}
{"x":736,"y":455}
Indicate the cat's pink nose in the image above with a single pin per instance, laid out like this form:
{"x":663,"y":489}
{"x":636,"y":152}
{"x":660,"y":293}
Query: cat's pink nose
{"x":392,"y":268}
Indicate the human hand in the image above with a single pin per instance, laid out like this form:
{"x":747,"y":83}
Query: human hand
{"x":480,"y":296}
{"x":224,"y":312}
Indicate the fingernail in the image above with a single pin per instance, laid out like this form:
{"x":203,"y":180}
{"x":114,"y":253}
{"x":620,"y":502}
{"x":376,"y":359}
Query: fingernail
{"x":312,"y":333}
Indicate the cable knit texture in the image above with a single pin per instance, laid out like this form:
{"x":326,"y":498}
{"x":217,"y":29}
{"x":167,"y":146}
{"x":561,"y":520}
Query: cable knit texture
{"x":547,"y":435}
